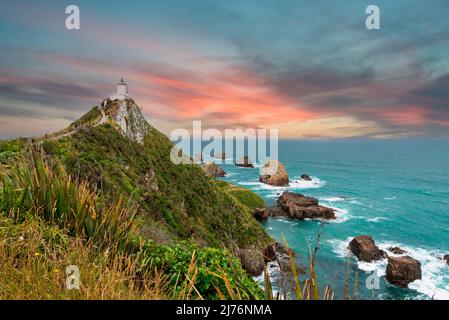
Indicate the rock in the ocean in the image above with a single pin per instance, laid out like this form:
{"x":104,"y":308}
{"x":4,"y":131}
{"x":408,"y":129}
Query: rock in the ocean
{"x":277,"y":252}
{"x":306,"y":177}
{"x":276,"y":211}
{"x":213,"y":170}
{"x":397,"y":250}
{"x":403,"y":270}
{"x":220,"y":155}
{"x":298,"y":206}
{"x":364,"y":248}
{"x":261,"y":213}
{"x":446,"y":258}
{"x":274,"y":173}
{"x":273,"y":250}
{"x":252,"y":261}
{"x":244,"y":162}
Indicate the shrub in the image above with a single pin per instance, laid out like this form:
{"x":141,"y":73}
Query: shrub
{"x":212,"y":273}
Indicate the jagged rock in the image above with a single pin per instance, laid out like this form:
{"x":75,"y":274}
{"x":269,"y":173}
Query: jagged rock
{"x":213,"y":170}
{"x":252,"y":261}
{"x":277,"y":252}
{"x":364,"y":248}
{"x":298,"y":206}
{"x":244,"y":162}
{"x":403,"y":270}
{"x":126,"y":115}
{"x":276,"y":211}
{"x":274,"y":173}
{"x":220,"y":155}
{"x":261,"y":213}
{"x":151,"y":181}
{"x":446,"y":258}
{"x":272,"y":250}
{"x":397,"y":250}
{"x":306,"y":177}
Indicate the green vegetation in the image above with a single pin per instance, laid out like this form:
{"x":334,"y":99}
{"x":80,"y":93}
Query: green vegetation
{"x":88,"y":119}
{"x":162,"y":230}
{"x":213,"y":271}
{"x":136,"y":225}
{"x":34,"y":256}
{"x":50,"y":220}
{"x":189,"y":204}
{"x":246,"y":197}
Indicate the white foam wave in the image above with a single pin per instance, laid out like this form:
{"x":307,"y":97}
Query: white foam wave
{"x":376,"y":219}
{"x":293,"y":185}
{"x":332,"y":199}
{"x":299,"y":183}
{"x":285,"y":221}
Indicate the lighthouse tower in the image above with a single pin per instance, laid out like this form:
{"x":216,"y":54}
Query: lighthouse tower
{"x":122,"y":91}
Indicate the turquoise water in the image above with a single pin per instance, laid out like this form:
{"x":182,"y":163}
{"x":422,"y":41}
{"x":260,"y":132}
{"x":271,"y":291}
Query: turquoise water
{"x":395,"y":191}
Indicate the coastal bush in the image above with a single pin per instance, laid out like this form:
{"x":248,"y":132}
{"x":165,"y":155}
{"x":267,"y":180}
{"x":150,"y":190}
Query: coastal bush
{"x":214,"y":273}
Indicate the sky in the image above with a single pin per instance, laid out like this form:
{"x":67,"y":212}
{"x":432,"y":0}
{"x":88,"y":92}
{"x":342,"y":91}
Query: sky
{"x":310,"y":69}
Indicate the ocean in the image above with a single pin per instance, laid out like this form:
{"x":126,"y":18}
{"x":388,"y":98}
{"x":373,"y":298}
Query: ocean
{"x":396,"y":191}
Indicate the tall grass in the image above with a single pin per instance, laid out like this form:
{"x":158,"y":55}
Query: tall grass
{"x":307,"y":289}
{"x":34,"y":257}
{"x":98,"y":235}
{"x":33,"y":186}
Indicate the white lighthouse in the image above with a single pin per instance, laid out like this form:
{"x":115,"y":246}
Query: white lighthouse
{"x":122,"y":91}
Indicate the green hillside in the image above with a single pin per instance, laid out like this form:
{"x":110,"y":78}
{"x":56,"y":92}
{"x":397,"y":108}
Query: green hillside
{"x":146,"y":208}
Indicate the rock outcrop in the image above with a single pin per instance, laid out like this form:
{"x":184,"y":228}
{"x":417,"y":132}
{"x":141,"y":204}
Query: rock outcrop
{"x":220,"y":155}
{"x":277,"y":252}
{"x":364,"y":248}
{"x":274,"y":173}
{"x":397,"y":250}
{"x":244,"y":162}
{"x":446,"y":258}
{"x":213,"y":170}
{"x":403,"y":270}
{"x":261,"y":213}
{"x":126,"y":115}
{"x":306,"y":177}
{"x":252,"y":261}
{"x":298,"y":206}
{"x":276,"y":211}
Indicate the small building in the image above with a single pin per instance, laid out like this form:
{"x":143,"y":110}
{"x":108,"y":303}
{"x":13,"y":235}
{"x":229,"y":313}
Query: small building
{"x":122,"y":91}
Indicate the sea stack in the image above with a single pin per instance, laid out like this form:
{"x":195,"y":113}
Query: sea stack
{"x":446,"y":258}
{"x":274,"y":173}
{"x":306,"y":177}
{"x":298,"y":206}
{"x":403,"y":270}
{"x":220,"y":155}
{"x":244,"y":162}
{"x":213,"y":170}
{"x":364,"y":248}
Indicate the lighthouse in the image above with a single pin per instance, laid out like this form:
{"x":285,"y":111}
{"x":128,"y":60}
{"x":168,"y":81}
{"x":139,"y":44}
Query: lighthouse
{"x":122,"y":91}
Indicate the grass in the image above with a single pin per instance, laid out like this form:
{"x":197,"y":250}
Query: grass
{"x":62,"y":203}
{"x":34,"y":257}
{"x":50,"y":220}
{"x":33,"y":186}
{"x":180,"y":197}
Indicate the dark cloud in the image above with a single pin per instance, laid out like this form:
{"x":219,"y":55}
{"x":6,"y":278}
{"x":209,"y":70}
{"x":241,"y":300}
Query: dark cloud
{"x":33,"y":93}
